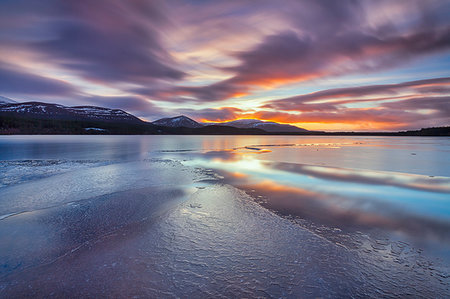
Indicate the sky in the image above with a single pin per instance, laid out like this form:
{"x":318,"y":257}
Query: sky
{"x":320,"y":65}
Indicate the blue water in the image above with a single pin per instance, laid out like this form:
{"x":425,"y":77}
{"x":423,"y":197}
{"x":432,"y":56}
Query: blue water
{"x":418,"y":155}
{"x":230,"y":216}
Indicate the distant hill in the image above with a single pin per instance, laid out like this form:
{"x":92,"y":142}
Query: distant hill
{"x":5,"y":100}
{"x":273,"y":127}
{"x":45,"y":118}
{"x":58,"y":112}
{"x":267,"y":126}
{"x":177,"y":122}
{"x":437,"y":131}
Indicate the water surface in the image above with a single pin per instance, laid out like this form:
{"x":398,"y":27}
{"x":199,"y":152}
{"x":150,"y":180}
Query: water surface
{"x":231,"y":216}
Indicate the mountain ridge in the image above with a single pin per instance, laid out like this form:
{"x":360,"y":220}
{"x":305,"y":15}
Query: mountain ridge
{"x":177,"y":121}
{"x":5,"y":100}
{"x":45,"y":118}
{"x":60,"y":112}
{"x":267,"y":126}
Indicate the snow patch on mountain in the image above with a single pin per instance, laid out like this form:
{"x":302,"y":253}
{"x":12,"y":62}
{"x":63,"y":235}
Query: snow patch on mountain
{"x":38,"y":109}
{"x":177,"y":121}
{"x":5,"y":100}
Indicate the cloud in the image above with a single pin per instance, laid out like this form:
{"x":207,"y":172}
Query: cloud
{"x":420,"y":103}
{"x":123,"y":102}
{"x":15,"y":81}
{"x":439,"y":106}
{"x":218,"y":114}
{"x":356,"y":94}
{"x":288,"y":57}
{"x":353,"y":115}
{"x":138,"y":106}
{"x":405,"y":114}
{"x":214,"y":92}
{"x":329,"y":39}
{"x":103,"y":41}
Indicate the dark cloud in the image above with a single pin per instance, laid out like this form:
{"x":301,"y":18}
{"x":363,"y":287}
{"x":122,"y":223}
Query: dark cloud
{"x":214,"y":92}
{"x":288,"y":57}
{"x":106,"y":41}
{"x":13,"y":81}
{"x":306,"y":102}
{"x":439,"y":106}
{"x":330,"y":38}
{"x":404,"y":114}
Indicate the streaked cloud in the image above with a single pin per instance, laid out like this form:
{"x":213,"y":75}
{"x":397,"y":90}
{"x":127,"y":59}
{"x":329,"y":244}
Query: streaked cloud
{"x":18,"y":81}
{"x":329,"y":98}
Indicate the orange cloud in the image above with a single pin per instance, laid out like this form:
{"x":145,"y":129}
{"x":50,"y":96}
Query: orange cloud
{"x":274,"y":80}
{"x":365,"y":119}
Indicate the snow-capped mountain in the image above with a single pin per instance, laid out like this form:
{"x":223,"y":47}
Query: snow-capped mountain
{"x":60,"y":112}
{"x":264,"y":125}
{"x":177,"y":121}
{"x":5,"y":100}
{"x":23,"y":114}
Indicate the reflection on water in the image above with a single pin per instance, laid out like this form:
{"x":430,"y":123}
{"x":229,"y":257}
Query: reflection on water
{"x":419,"y":155}
{"x":397,"y":183}
{"x":349,"y":199}
{"x":199,"y":216}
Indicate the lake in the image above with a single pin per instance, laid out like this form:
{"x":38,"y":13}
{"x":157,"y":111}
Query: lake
{"x":224,"y":216}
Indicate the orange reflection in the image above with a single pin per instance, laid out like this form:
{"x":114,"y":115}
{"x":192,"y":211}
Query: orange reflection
{"x":403,"y":180}
{"x":239,"y":175}
{"x":317,"y":206}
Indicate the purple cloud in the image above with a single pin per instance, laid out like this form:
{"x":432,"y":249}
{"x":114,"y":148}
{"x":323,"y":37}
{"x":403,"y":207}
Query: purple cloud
{"x":13,"y":81}
{"x":138,"y":106}
{"x":106,"y":41}
{"x":327,"y":39}
{"x":219,"y":114}
{"x":439,"y":106}
{"x":306,"y":102}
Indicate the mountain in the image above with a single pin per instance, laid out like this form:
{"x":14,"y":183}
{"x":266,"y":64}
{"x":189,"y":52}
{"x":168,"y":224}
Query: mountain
{"x":5,"y":100}
{"x":44,"y":118}
{"x":267,"y":126}
{"x":177,"y":121}
{"x":38,"y":110}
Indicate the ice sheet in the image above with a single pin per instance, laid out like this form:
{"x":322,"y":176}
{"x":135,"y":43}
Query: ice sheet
{"x":193,"y":216}
{"x":219,"y":243}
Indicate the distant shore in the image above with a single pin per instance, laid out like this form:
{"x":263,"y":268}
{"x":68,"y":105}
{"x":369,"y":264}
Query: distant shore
{"x":13,"y":125}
